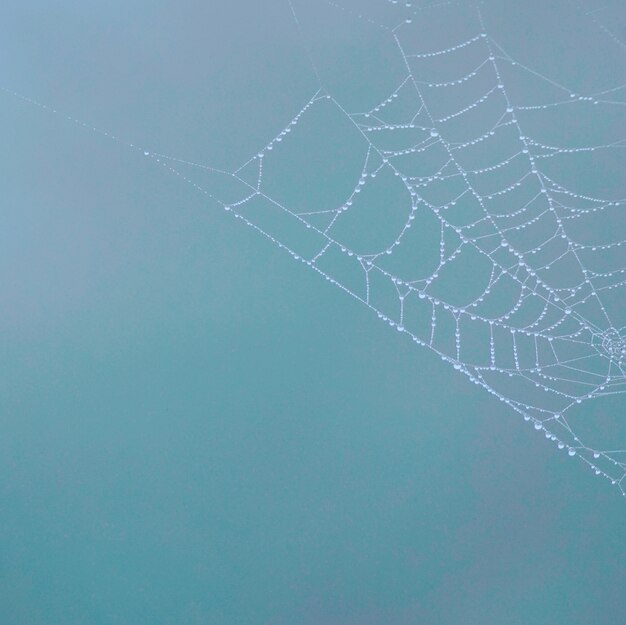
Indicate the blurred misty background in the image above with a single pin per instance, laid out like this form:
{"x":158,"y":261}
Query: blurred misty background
{"x":196,"y":430}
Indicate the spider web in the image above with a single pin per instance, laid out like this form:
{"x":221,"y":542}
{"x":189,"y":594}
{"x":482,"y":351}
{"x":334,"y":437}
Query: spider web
{"x":457,"y":208}
{"x":457,"y":229}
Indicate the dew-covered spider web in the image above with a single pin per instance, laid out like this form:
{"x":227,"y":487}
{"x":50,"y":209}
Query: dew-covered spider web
{"x":459,"y":221}
{"x":461,"y":207}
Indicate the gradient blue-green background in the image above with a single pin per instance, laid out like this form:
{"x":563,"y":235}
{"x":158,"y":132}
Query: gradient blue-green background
{"x":195,"y":430}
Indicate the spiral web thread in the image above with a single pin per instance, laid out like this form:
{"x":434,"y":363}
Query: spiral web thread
{"x":556,"y":344}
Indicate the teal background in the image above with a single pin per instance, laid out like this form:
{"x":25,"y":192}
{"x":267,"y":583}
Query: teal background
{"x":196,"y":430}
